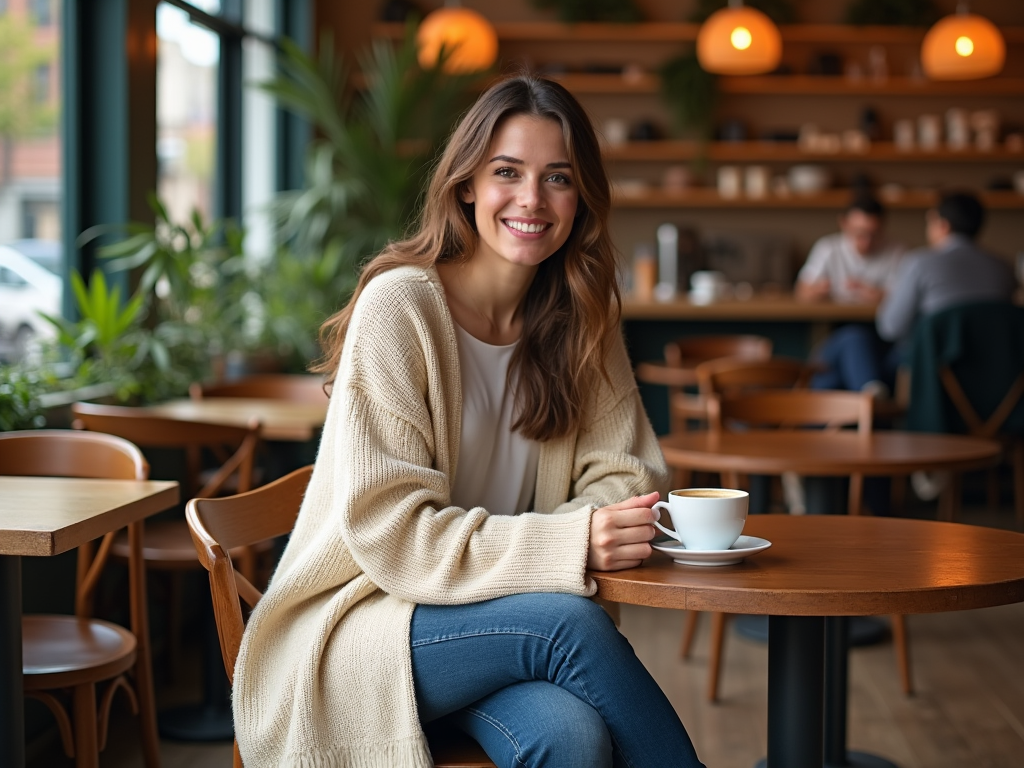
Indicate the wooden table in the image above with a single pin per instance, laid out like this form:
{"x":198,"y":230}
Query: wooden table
{"x":830,"y":566}
{"x":818,"y":453}
{"x":281,"y":419}
{"x":783,"y":308}
{"x":43,"y":516}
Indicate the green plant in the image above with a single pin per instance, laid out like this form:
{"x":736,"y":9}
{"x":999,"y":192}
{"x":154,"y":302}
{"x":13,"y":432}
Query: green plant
{"x":365,"y":175}
{"x":620,"y":11}
{"x":779,"y":11}
{"x":20,"y":388}
{"x":690,"y":94}
{"x":912,"y":13}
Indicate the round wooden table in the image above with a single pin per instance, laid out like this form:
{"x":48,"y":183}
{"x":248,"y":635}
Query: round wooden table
{"x":819,"y":453}
{"x":830,"y":566}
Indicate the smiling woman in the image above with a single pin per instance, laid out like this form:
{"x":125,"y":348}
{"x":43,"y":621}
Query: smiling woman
{"x":485,"y":445}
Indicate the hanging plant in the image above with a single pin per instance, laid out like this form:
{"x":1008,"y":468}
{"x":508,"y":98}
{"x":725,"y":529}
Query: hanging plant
{"x":779,"y":11}
{"x":571,"y":11}
{"x":690,"y":94}
{"x":910,"y":13}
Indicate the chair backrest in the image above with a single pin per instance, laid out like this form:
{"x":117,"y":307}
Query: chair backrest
{"x":967,"y":371}
{"x":691,"y":350}
{"x":730,"y":375}
{"x":65,"y":453}
{"x":219,"y":525}
{"x":792,"y":409}
{"x":146,"y":430}
{"x":296,"y":388}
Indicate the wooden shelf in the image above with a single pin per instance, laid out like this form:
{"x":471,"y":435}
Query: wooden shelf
{"x":782,"y":308}
{"x":797,"y":85}
{"x":834,"y":199}
{"x":777,"y":151}
{"x":675,"y":32}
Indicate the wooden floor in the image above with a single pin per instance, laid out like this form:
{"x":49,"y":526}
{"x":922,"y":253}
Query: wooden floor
{"x":968,"y":711}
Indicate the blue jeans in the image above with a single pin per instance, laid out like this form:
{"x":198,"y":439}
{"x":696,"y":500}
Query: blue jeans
{"x":544,"y":680}
{"x":855,"y":355}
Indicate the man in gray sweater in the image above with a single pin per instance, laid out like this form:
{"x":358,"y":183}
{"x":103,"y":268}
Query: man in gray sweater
{"x":952,"y":271}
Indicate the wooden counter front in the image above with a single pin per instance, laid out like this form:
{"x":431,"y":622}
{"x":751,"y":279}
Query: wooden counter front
{"x":760,"y":308}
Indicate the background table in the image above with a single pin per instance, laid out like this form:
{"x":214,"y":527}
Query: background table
{"x":43,"y":516}
{"x":281,"y":419}
{"x":811,"y":452}
{"x":830,"y":566}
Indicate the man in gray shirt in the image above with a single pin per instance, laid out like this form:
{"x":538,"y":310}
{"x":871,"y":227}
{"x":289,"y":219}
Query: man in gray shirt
{"x":954,"y":270}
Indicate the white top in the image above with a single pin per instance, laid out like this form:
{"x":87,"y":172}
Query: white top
{"x":835,"y":258}
{"x":497,"y":467}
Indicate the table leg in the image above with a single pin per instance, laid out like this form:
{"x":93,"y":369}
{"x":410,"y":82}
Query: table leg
{"x":836,"y":697}
{"x":12,"y":702}
{"x":949,"y":500}
{"x":796,"y":649}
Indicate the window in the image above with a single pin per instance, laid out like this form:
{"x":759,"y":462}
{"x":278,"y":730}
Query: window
{"x":42,"y":12}
{"x":30,"y":144}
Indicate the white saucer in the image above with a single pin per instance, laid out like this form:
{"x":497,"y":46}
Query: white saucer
{"x":745,"y":546}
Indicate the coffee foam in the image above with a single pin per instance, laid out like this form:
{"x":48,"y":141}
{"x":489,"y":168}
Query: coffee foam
{"x":707,"y":493}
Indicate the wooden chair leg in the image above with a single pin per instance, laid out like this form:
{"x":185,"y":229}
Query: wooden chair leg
{"x":901,"y":645}
{"x":992,"y":488}
{"x":174,"y":624}
{"x":86,"y":732}
{"x":689,"y":631}
{"x":716,"y":652}
{"x":144,"y":686}
{"x":898,"y":493}
{"x":949,"y":501}
{"x":1018,"y":482}
{"x":855,"y":503}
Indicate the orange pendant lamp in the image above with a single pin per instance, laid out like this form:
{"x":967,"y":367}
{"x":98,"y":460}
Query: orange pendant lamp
{"x":963,"y":46}
{"x":467,"y":35}
{"x":739,"y":40}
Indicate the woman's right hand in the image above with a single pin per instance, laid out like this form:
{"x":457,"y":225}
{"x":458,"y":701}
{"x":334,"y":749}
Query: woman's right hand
{"x":620,"y":534}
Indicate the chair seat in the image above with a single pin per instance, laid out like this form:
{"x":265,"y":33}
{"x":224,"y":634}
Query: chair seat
{"x":167,"y":544}
{"x":451,"y":748}
{"x":59,"y":651}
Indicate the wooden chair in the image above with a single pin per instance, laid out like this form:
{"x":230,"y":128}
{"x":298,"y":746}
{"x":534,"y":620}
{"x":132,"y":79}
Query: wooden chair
{"x":168,"y":542}
{"x":220,"y":526}
{"x":733,"y":375}
{"x":682,"y":356}
{"x":78,"y":652}
{"x":296,"y":388}
{"x":831,"y":410}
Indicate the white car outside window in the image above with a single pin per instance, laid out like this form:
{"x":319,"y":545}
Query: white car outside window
{"x":26,"y":288}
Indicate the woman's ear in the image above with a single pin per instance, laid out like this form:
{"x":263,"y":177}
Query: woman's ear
{"x":466,"y":194}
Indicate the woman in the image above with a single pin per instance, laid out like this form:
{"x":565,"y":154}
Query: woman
{"x":478,"y":374}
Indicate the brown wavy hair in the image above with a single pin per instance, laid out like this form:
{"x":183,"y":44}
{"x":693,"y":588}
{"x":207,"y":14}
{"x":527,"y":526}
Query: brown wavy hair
{"x":573,"y":305}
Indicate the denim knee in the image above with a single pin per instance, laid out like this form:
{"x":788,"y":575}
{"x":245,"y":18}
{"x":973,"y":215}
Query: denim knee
{"x":580,"y":613}
{"x":539,"y":725}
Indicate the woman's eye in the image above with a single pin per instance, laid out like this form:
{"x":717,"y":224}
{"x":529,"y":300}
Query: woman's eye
{"x":559,"y":178}
{"x":507,"y":172}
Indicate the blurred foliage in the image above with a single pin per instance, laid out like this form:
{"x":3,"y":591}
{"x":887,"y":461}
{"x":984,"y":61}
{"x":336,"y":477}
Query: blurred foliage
{"x":619,"y":11}
{"x":20,"y":388}
{"x":779,"y":11}
{"x":365,"y":173}
{"x":690,"y":94}
{"x":911,"y":13}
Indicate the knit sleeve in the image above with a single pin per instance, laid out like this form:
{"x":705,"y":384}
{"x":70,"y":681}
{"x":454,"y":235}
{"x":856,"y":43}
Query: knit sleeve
{"x":617,"y":454}
{"x":392,"y":465}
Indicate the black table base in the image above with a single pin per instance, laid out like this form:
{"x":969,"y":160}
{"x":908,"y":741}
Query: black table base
{"x":12,"y":703}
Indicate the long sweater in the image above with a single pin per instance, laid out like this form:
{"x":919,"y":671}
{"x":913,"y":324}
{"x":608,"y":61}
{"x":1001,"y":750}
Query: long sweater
{"x":324,"y":674}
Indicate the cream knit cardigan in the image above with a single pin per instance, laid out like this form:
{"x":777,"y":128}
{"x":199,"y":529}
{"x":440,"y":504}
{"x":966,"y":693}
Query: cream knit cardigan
{"x":324,"y":675}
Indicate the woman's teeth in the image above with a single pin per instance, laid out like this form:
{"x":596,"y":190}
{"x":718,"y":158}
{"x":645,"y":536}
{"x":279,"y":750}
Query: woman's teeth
{"x":528,"y":228}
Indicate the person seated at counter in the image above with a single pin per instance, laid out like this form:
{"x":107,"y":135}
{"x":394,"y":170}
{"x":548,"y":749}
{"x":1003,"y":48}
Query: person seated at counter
{"x":952,"y":270}
{"x":855,"y":265}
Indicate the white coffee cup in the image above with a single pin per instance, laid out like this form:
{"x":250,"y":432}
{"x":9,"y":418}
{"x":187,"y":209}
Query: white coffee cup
{"x":705,"y":518}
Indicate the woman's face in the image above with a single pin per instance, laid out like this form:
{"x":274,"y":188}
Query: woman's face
{"x":524,"y":194}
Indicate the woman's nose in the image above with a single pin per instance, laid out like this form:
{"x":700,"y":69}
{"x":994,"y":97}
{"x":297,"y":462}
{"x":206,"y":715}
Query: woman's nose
{"x":530,"y":195}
